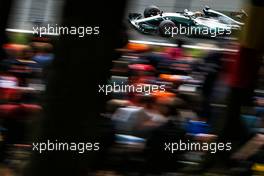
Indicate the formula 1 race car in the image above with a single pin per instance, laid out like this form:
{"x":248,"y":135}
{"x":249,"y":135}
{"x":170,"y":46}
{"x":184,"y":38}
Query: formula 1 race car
{"x":207,"y":23}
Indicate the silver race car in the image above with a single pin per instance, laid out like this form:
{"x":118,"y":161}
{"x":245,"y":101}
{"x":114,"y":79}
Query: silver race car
{"x":206,"y":23}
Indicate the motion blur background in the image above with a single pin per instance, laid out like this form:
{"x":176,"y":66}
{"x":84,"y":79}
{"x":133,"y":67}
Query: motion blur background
{"x":49,"y":91}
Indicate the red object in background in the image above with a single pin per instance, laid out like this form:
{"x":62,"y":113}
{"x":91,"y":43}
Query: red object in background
{"x":7,"y":109}
{"x":9,"y":94}
{"x":141,"y":67}
{"x":18,"y":111}
{"x":14,"y":48}
{"x":174,"y":53}
{"x":142,"y":71}
{"x":8,"y":91}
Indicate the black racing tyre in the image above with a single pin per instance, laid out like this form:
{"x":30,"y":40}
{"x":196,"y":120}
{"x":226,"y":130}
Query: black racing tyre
{"x":166,"y":27}
{"x":151,"y":11}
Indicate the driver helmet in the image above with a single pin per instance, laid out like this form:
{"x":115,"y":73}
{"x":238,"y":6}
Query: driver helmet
{"x":206,"y":7}
{"x":205,"y":10}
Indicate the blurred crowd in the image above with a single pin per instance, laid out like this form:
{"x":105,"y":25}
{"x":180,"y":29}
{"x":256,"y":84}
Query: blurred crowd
{"x":23,"y":75}
{"x":195,"y":106}
{"x":192,"y":107}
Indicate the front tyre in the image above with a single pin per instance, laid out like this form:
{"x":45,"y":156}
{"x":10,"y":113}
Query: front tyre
{"x":166,"y":28}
